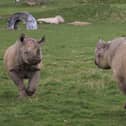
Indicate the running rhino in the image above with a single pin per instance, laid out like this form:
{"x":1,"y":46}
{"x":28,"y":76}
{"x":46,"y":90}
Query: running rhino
{"x":23,"y":61}
{"x":112,"y":55}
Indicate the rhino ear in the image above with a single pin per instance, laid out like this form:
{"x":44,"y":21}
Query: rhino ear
{"x":100,"y":43}
{"x":22,"y":37}
{"x":42,"y":40}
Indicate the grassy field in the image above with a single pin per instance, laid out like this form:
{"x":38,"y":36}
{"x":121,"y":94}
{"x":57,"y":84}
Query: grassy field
{"x":72,"y":90}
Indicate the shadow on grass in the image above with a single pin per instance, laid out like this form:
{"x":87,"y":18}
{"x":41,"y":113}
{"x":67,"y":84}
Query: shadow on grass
{"x":8,"y":96}
{"x":112,"y":114}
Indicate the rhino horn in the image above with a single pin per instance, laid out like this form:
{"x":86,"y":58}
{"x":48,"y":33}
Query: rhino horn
{"x":42,"y":40}
{"x":22,"y":37}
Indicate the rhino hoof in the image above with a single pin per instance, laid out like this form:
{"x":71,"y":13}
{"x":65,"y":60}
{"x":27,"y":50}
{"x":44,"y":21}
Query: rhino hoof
{"x":30,"y":92}
{"x":125,"y":106}
{"x":22,"y":94}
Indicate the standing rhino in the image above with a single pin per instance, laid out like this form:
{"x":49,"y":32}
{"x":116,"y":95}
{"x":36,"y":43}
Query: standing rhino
{"x":23,"y":61}
{"x":112,"y":55}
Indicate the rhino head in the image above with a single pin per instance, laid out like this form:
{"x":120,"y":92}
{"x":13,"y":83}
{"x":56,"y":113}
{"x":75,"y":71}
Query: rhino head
{"x":29,"y":51}
{"x":101,"y":54}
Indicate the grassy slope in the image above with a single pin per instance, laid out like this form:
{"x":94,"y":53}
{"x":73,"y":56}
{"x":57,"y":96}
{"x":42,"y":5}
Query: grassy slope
{"x":72,"y":90}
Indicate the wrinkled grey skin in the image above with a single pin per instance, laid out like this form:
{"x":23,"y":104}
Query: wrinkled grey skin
{"x":112,"y":55}
{"x":23,"y":61}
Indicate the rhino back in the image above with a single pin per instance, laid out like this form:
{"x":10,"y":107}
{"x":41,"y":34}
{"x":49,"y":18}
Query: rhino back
{"x":115,"y":43}
{"x":119,"y":59}
{"x":10,"y":57}
{"x":114,"y":46}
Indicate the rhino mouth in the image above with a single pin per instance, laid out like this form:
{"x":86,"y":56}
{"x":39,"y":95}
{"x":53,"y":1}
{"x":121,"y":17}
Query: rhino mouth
{"x":102,"y":67}
{"x":95,"y":62}
{"x":34,"y":61}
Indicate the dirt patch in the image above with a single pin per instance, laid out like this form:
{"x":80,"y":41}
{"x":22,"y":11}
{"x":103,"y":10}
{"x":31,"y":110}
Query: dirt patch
{"x":79,"y":23}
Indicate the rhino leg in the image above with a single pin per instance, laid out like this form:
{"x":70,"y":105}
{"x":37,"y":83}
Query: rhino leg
{"x":122,"y":84}
{"x":33,"y":83}
{"x":19,"y":82}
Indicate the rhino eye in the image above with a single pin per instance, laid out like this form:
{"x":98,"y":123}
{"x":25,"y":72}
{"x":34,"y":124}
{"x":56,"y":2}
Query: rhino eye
{"x":38,"y":51}
{"x":99,"y":55}
{"x":26,"y":52}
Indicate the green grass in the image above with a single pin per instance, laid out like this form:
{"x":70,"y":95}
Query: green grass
{"x":72,"y":90}
{"x":71,"y":10}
